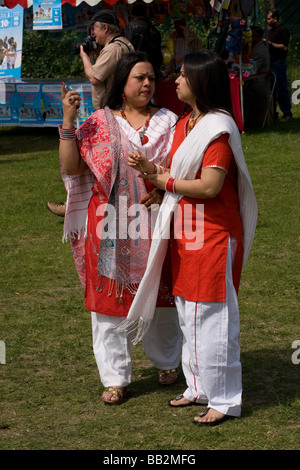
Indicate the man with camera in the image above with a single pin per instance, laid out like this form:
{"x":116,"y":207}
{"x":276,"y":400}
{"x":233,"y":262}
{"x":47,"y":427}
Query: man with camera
{"x":105,"y":30}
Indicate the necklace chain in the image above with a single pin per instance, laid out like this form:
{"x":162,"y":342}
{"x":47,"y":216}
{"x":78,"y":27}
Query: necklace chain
{"x":143,"y":137}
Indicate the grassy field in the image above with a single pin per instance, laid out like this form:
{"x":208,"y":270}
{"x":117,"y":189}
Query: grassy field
{"x":50,"y":389}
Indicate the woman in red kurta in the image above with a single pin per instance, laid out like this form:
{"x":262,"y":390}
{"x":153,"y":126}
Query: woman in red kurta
{"x":199,"y":275}
{"x":208,"y":238}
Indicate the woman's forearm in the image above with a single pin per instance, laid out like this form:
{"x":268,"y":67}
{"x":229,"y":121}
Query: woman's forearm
{"x":208,"y":186}
{"x":69,"y":155}
{"x":70,"y":159}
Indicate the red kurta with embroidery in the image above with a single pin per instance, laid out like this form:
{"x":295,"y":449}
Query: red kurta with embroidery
{"x":199,"y":275}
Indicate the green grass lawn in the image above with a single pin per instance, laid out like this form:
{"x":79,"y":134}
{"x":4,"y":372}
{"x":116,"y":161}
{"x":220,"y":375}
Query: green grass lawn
{"x":50,"y":389}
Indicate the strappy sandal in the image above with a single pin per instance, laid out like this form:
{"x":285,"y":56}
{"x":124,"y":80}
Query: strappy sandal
{"x":167,"y":377}
{"x":117,"y":395}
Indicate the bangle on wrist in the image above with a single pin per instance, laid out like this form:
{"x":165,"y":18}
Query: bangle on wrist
{"x":67,"y":134}
{"x":170,"y":185}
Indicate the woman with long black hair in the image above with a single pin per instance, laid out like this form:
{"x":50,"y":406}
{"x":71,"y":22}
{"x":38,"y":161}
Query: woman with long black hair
{"x":209,"y":191}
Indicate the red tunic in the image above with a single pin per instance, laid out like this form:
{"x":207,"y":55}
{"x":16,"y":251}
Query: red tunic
{"x":101,"y":295}
{"x":199,"y":275}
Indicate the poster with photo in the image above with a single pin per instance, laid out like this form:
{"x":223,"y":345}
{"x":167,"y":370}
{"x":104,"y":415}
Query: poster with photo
{"x":86,"y":104}
{"x":9,"y":112}
{"x":30,"y":111}
{"x":47,"y":14}
{"x":51,"y":96}
{"x":11,"y":41}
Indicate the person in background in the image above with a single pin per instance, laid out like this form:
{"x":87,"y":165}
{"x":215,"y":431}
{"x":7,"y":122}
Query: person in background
{"x":209,"y":191}
{"x":110,"y":259}
{"x":185,"y":42}
{"x":278,"y":38}
{"x":257,"y":90}
{"x":105,"y":29}
{"x":144,"y":36}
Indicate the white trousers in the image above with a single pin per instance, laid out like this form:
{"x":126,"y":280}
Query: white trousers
{"x":112,"y":350}
{"x":211,"y":349}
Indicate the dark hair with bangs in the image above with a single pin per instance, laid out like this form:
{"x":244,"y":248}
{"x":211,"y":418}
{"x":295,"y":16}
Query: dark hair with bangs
{"x":126,"y":63}
{"x":208,"y":78}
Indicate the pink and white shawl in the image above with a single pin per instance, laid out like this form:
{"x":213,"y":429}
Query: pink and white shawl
{"x":105,"y":150}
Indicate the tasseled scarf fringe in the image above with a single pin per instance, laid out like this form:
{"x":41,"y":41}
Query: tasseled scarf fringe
{"x":141,"y":325}
{"x":115,"y":286}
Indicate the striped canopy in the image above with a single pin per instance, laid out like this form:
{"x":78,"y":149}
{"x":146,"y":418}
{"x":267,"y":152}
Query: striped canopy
{"x":74,"y":3}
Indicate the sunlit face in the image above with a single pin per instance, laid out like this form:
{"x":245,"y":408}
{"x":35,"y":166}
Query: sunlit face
{"x":183,"y":90}
{"x":99,"y":33}
{"x":140,"y":85}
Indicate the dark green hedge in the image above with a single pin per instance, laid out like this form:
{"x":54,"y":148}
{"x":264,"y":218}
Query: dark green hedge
{"x":51,"y":55}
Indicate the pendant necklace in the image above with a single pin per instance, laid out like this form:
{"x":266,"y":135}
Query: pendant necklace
{"x":144,"y":139}
{"x":192,"y":123}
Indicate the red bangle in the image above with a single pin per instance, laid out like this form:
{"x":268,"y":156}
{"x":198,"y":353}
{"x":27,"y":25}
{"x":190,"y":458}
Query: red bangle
{"x":67,"y":134}
{"x":170,"y":185}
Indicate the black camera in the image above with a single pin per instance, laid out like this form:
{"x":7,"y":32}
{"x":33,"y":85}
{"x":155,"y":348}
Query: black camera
{"x":89,"y":45}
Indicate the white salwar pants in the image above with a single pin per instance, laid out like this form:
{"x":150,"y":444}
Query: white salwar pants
{"x":211,"y":349}
{"x":112,"y":350}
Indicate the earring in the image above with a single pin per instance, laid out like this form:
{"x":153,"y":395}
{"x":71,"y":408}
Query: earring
{"x":124,"y":97}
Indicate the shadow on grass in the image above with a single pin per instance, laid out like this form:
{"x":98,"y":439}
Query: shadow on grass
{"x":18,"y":160}
{"x":27,"y":139}
{"x":269,"y":379}
{"x":290,"y":127}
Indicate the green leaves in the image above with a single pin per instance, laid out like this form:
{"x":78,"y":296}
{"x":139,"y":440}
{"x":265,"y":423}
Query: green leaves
{"x":51,"y":55}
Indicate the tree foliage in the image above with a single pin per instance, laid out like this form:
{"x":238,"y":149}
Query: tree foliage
{"x":51,"y":55}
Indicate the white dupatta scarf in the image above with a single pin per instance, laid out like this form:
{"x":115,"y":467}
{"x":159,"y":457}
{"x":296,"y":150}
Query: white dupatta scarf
{"x":185,"y":164}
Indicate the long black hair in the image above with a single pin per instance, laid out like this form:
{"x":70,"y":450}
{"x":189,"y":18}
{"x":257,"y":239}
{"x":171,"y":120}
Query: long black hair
{"x":126,"y":63}
{"x":208,"y":78}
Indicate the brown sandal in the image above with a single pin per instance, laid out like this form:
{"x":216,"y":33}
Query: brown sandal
{"x":167,"y":377}
{"x":117,"y":395}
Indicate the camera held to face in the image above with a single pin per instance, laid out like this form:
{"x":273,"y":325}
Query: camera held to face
{"x":89,"y":45}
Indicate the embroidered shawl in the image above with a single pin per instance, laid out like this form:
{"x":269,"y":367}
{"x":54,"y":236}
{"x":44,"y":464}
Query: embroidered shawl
{"x":121,"y":257}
